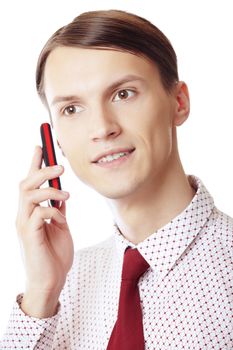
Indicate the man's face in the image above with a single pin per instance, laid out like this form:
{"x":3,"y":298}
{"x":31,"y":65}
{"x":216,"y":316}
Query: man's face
{"x":136,"y":115}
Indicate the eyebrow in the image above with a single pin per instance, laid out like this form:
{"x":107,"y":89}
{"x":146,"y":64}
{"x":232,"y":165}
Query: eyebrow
{"x":125,"y":79}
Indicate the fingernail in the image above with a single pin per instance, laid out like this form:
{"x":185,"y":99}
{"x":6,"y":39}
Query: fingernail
{"x":65,"y":193}
{"x":57,"y":168}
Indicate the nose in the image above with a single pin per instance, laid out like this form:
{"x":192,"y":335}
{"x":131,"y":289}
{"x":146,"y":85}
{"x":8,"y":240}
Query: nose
{"x":104,"y":125}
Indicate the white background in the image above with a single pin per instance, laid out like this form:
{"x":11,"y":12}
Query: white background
{"x":201,"y":34}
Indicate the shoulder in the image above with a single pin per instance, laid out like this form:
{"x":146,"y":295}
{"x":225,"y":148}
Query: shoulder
{"x":222,"y":231}
{"x":224,"y":224}
{"x":95,"y":254}
{"x":96,"y":249}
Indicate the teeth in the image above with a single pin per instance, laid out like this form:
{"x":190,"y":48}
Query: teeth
{"x":110,"y":158}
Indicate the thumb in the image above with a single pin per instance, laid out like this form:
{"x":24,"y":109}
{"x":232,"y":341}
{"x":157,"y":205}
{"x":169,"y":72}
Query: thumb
{"x":62,"y":209}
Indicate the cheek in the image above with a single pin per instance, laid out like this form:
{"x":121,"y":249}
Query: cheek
{"x":153,"y":115}
{"x":155,"y":129}
{"x":72,"y":144}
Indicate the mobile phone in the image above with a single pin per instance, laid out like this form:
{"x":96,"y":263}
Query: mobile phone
{"x":49,"y":157}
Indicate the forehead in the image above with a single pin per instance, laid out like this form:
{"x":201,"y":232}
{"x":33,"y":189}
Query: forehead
{"x":89,"y":62}
{"x":72,"y":69}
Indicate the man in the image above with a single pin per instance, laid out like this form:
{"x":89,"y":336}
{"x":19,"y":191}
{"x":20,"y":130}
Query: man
{"x":109,"y":81}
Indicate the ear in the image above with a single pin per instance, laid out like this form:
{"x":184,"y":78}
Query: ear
{"x":182,"y":103}
{"x":60,"y":148}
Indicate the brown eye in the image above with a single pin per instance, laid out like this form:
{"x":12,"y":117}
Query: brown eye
{"x":72,"y":109}
{"x":124,"y":94}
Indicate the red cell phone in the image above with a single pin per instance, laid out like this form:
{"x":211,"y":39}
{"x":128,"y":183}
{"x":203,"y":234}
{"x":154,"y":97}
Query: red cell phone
{"x":49,"y":157}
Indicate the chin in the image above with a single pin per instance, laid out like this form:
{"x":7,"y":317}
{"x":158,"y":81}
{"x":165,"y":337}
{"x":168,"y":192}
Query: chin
{"x":116,"y":192}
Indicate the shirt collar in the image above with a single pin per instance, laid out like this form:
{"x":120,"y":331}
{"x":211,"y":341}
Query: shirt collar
{"x":164,"y":247}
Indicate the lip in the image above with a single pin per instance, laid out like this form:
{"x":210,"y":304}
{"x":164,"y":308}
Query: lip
{"x":112,"y":151}
{"x":116,"y":162}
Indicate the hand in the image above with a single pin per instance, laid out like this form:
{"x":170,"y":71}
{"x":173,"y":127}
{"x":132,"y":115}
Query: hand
{"x":47,"y":248}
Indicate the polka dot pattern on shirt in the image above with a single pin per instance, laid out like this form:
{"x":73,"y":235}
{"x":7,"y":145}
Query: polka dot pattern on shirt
{"x":186,"y":294}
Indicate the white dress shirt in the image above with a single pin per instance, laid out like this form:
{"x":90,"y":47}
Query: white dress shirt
{"x":186,"y":294}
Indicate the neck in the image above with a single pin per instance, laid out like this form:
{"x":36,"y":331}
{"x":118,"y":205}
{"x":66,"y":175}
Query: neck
{"x":140,"y":215}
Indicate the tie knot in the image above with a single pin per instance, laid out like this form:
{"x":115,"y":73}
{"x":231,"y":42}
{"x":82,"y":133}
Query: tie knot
{"x":134,"y":265}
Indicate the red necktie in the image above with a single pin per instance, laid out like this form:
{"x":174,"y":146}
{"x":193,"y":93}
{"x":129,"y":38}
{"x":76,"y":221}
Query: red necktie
{"x":127,"y":333}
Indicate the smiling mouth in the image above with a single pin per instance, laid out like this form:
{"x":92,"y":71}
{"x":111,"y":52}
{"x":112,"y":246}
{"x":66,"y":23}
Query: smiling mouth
{"x":112,"y":157}
{"x":115,"y":159}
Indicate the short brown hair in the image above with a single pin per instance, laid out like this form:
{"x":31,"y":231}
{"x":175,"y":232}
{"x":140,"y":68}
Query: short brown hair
{"x":118,"y":30}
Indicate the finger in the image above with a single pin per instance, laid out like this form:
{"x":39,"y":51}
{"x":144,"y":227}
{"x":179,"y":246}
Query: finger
{"x":40,"y":195}
{"x":37,"y":178}
{"x":33,"y":198}
{"x":40,"y":214}
{"x":62,"y":208}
